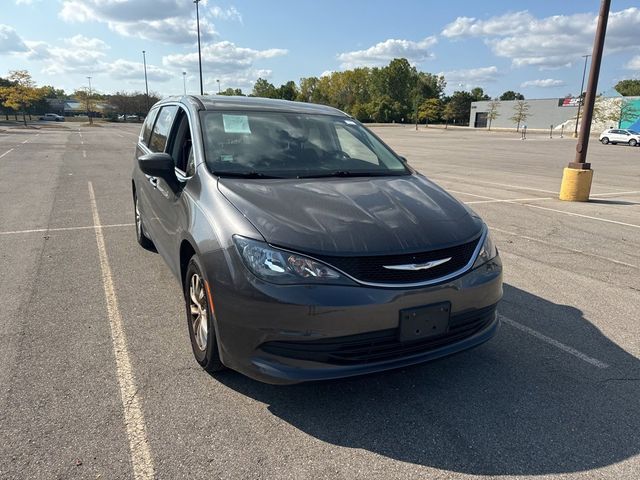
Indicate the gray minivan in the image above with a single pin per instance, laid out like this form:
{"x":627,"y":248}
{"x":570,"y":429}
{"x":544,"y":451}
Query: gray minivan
{"x":305,"y":247}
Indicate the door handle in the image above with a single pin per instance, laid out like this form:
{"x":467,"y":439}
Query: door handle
{"x":153,"y":181}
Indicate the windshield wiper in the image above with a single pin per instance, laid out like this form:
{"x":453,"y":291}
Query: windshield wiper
{"x":250,"y":174}
{"x":348,"y":173}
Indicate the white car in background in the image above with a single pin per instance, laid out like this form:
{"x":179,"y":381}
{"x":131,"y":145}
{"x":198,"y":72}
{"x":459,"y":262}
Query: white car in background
{"x":620,"y":135}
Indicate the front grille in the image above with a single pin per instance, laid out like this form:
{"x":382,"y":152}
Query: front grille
{"x":371,"y":269}
{"x":381,"y":345}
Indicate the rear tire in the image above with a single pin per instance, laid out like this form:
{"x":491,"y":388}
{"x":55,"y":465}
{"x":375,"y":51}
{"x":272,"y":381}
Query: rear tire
{"x":633,"y":142}
{"x":200,"y":319}
{"x":604,"y":140}
{"x":144,"y":241}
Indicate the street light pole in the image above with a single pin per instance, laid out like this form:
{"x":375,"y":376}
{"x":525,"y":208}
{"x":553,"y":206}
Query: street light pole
{"x":146,"y":85}
{"x":577,"y":176}
{"x":199,"y":50}
{"x":184,"y":82}
{"x":584,"y":71}
{"x":218,"y":86}
{"x":592,"y":86}
{"x":89,"y":103}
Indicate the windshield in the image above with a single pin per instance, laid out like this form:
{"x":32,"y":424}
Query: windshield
{"x":633,"y":132}
{"x":293,"y":145}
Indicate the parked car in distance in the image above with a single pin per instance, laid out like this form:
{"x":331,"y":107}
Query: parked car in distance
{"x":620,"y":135}
{"x":305,"y":247}
{"x":52,"y":117}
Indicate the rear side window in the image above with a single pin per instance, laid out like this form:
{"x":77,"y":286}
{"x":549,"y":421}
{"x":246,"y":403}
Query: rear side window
{"x":148,"y":124}
{"x":161,"y":129}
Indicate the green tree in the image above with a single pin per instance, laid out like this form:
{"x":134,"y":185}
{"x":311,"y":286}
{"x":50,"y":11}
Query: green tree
{"x":520,"y":113}
{"x":232,"y":92}
{"x":448,"y":113}
{"x":262,"y":88}
{"x":21,"y":94}
{"x":460,"y":102}
{"x":628,"y":88}
{"x":619,"y":110}
{"x":288,"y":91}
{"x":430,"y":110}
{"x":511,"y":95}
{"x":478,"y":94}
{"x":492,"y":113}
{"x":87,"y":99}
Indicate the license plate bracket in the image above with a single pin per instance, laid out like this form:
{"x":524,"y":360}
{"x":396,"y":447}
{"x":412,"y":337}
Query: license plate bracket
{"x":424,"y":322}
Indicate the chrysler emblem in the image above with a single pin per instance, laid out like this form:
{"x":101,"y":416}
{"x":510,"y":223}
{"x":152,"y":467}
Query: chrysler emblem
{"x":418,"y":266}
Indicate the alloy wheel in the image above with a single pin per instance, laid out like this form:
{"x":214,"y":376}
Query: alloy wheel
{"x":198,"y":311}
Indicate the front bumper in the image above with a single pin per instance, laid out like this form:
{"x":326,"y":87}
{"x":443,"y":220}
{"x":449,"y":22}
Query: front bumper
{"x":289,"y":334}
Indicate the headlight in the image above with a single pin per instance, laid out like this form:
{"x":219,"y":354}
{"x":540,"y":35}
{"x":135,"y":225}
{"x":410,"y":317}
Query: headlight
{"x":487,"y":252}
{"x":280,"y":266}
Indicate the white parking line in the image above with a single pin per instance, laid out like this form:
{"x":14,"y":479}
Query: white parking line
{"x":606,"y":220}
{"x":516,"y":202}
{"x":26,"y":141}
{"x":133,"y":416}
{"x":84,"y":154}
{"x":562,"y":247}
{"x":475,"y":202}
{"x":518,"y":187}
{"x":555,"y":343}
{"x":65,"y":229}
{"x":8,"y":151}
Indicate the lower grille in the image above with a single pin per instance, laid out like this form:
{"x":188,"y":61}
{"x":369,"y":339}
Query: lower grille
{"x":381,"y":345}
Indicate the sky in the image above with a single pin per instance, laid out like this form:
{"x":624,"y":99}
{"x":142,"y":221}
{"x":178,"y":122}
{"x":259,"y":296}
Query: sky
{"x":535,"y":48}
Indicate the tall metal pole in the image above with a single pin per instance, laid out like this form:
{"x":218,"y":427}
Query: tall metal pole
{"x":584,"y":71}
{"x":89,"y":103}
{"x":184,"y":82}
{"x":592,"y":86}
{"x":199,"y":51}
{"x":146,"y":85}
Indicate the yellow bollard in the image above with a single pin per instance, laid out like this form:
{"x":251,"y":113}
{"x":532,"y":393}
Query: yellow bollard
{"x":576,"y":185}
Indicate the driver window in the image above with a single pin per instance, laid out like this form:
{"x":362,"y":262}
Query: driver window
{"x":181,"y":150}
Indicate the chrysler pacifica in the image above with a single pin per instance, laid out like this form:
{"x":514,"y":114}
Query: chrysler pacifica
{"x":305,"y":247}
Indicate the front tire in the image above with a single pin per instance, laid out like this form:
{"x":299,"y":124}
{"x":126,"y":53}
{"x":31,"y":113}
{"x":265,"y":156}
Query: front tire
{"x":604,"y":140}
{"x":144,"y":241}
{"x":200,"y":319}
{"x":633,"y":142}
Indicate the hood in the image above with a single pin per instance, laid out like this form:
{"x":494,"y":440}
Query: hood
{"x":343,"y":216}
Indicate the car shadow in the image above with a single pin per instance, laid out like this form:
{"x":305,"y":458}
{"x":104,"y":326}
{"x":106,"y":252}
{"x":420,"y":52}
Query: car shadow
{"x":612,"y":202}
{"x":514,"y":406}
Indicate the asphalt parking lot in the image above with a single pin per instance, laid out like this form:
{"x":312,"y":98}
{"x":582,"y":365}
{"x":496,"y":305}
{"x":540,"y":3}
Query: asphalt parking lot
{"x":556,"y":394}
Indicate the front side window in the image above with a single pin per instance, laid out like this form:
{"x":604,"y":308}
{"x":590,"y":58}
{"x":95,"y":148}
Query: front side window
{"x":290,"y":145}
{"x":148,"y":125}
{"x":161,"y":129}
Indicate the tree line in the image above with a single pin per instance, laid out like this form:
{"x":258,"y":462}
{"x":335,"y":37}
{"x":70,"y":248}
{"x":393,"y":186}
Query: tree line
{"x":20,"y":95}
{"x":398,"y":92}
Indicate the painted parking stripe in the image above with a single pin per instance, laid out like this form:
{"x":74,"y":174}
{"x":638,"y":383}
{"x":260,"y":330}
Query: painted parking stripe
{"x":139,"y":450}
{"x":5,"y":153}
{"x":551,"y":341}
{"x":66,"y":229}
{"x":562,"y":247}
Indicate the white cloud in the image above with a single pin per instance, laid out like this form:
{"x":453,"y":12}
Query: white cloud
{"x":10,"y":41}
{"x":225,"y":61}
{"x":633,"y":64}
{"x":169,"y":21}
{"x":230,"y":13}
{"x":126,"y":70}
{"x":383,"y":52}
{"x":80,"y":55}
{"x":543,"y":83}
{"x":549,"y":42}
{"x":471,"y":76}
{"x":221,"y":57}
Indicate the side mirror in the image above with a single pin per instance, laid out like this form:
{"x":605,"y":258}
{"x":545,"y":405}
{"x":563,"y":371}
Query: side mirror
{"x":404,"y":159}
{"x":158,"y":165}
